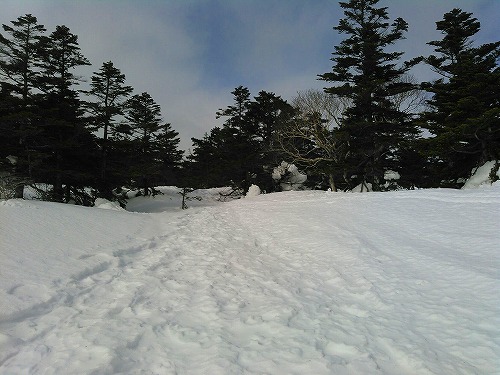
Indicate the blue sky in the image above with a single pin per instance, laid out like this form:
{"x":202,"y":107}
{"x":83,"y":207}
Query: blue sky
{"x":190,"y":54}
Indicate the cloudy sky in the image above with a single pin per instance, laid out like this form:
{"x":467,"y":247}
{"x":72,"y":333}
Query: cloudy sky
{"x":190,"y":54}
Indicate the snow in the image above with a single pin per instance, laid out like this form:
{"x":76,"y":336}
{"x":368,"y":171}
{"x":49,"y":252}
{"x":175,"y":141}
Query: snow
{"x":391,"y":175}
{"x":253,"y":191}
{"x":107,"y":205}
{"x":480,"y":177}
{"x":305,"y":282}
{"x":362,"y":188}
{"x":288,"y":176}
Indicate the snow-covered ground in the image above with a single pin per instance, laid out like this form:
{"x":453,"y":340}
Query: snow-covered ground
{"x":289,"y":283}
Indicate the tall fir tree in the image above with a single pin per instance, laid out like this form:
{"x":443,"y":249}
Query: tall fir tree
{"x":241,"y":152}
{"x":168,"y":155}
{"x":237,"y":143}
{"x":152,"y":145}
{"x":268,"y":113}
{"x":19,"y":53}
{"x":367,"y":76}
{"x":205,"y":166}
{"x":20,"y":45}
{"x":465,"y":107}
{"x":68,"y":146}
{"x":108,"y":93}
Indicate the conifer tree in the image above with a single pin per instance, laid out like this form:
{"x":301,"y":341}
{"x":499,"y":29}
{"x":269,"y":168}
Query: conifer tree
{"x":69,"y":147}
{"x":19,"y":49}
{"x":152,"y":145}
{"x":19,"y":54}
{"x":205,"y":166}
{"x":108,"y":93}
{"x":236,"y":113}
{"x":465,"y":106}
{"x":236,"y":141}
{"x":168,"y":155}
{"x":367,"y":76}
{"x":268,"y":113}
{"x":241,"y":152}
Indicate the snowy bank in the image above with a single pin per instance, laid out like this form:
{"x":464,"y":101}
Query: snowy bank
{"x":287,"y":283}
{"x":481,"y":176}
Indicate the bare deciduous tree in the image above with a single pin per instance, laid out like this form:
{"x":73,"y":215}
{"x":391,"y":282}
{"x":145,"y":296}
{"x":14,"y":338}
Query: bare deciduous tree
{"x":411,"y":101}
{"x":310,"y":139}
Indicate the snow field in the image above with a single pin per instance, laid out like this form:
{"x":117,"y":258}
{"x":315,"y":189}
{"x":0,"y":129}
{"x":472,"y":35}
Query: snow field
{"x":409,"y":283}
{"x":288,"y":283}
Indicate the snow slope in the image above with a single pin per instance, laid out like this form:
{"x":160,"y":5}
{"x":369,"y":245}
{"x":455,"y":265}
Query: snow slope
{"x":286,"y":283}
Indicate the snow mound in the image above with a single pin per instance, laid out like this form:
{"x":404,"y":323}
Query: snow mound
{"x":288,"y":176}
{"x":107,"y":205}
{"x":481,"y":176}
{"x":362,"y":188}
{"x":253,"y":191}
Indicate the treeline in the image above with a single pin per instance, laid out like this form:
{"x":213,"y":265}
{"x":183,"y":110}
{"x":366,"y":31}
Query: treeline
{"x":82,"y":148}
{"x":374,"y":127}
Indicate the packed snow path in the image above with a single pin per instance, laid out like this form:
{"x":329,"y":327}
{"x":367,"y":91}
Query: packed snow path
{"x":295,"y":283}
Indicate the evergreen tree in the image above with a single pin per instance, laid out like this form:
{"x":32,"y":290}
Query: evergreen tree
{"x":237,"y":143}
{"x":169,"y":157}
{"x":242,"y":152}
{"x":268,"y":113}
{"x":368,"y":77}
{"x":11,"y":181}
{"x":68,"y":146}
{"x":9,"y":142}
{"x":152,"y":146}
{"x":225,"y":157}
{"x":108,"y":94}
{"x":236,"y":113}
{"x":465,"y":106}
{"x":19,"y":53}
{"x":205,"y":166}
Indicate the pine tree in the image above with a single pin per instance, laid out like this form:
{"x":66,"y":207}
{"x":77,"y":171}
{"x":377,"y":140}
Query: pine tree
{"x":367,"y":76}
{"x":168,"y":155}
{"x":241,"y":152}
{"x":68,"y":146}
{"x":236,"y":142}
{"x":19,"y":54}
{"x":268,"y":113}
{"x":152,"y":145}
{"x":108,"y":94}
{"x":465,"y":107}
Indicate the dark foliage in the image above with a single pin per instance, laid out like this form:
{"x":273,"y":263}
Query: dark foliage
{"x":464,"y":115}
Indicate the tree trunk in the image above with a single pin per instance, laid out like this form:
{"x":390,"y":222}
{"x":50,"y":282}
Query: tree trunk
{"x":19,"y":191}
{"x":333,"y":187}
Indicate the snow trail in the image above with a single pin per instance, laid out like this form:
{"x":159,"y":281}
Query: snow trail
{"x":292,"y":283}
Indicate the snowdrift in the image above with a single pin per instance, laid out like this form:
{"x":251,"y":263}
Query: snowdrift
{"x":287,"y":283}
